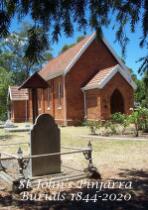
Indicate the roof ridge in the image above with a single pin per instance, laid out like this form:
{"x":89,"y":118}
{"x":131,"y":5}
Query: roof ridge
{"x":63,"y":60}
{"x":102,"y":77}
{"x":68,"y":49}
{"x":74,"y":44}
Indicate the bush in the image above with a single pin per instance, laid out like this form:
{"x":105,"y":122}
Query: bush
{"x":122,"y":119}
{"x":139,"y":118}
{"x":3,"y":116}
{"x":110,"y":127}
{"x":118,"y":117}
{"x":93,"y":126}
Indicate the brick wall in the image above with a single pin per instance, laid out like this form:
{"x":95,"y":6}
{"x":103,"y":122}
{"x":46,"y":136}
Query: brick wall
{"x":30,"y":105}
{"x":125,"y":89}
{"x":93,"y":104}
{"x":102,"y":98}
{"x":48,"y":101}
{"x":18,"y":111}
{"x":96,"y":57}
{"x":56,"y":108}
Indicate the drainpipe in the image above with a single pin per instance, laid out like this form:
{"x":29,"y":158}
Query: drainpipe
{"x":85,"y":105}
{"x":64,"y":102}
{"x":26,"y":110}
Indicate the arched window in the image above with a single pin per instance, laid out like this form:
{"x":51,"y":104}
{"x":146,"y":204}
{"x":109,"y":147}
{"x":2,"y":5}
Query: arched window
{"x":117,"y":102}
{"x":48,"y":97}
{"x":39,"y":93}
{"x":59,"y":94}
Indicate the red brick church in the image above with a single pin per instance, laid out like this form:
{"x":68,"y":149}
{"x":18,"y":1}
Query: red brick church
{"x":87,"y":81}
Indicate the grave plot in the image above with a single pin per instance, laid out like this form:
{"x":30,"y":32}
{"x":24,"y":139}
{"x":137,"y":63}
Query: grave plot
{"x":15,"y":132}
{"x":46,"y":159}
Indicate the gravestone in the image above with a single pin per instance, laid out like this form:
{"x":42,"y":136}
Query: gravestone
{"x":45,"y":138}
{"x":9,"y":124}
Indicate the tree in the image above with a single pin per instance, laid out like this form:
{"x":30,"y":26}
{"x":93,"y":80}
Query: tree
{"x":79,"y":38}
{"x":141,"y":94}
{"x":14,"y":68}
{"x":5,"y":81}
{"x":144,"y":65}
{"x":145,"y":81}
{"x":66,"y":46}
{"x":12,"y":51}
{"x":139,"y":118}
{"x":60,"y":15}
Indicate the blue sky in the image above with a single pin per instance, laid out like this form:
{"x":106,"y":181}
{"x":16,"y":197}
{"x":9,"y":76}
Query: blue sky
{"x":133,"y":51}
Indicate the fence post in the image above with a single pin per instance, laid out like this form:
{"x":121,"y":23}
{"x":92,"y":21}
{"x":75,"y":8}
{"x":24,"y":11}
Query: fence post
{"x":88,"y":155}
{"x":91,"y":170}
{"x":2,"y":168}
{"x":90,"y":164}
{"x":20,"y":162}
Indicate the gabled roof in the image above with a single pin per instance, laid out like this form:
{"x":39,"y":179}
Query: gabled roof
{"x":35,"y":81}
{"x":105,"y":75}
{"x":62,"y":64}
{"x":64,"y":61}
{"x":18,"y":95}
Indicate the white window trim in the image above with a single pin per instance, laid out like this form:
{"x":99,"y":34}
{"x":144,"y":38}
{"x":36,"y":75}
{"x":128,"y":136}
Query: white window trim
{"x":59,"y":107}
{"x":59,"y":95}
{"x":48,"y":98}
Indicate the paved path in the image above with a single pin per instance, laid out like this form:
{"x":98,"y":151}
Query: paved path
{"x":114,"y":138}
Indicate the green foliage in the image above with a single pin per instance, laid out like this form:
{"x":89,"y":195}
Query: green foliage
{"x":122,"y":119}
{"x":93,"y":126}
{"x":141,"y":94}
{"x":12,"y":50}
{"x":110,"y":127}
{"x":14,"y":69}
{"x":38,"y":43}
{"x":59,"y":16}
{"x":5,"y":81}
{"x":139,"y":118}
{"x":96,"y":125}
{"x":118,"y":117}
{"x":80,"y":38}
{"x":66,"y":46}
{"x":144,"y":65}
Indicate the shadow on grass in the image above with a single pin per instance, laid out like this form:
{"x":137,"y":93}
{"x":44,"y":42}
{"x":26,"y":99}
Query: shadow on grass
{"x":138,"y":201}
{"x":6,"y":137}
{"x":9,"y":136}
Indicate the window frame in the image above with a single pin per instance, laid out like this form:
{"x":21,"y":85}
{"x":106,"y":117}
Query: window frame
{"x":39,"y":95}
{"x":59,"y":95}
{"x":48,"y":98}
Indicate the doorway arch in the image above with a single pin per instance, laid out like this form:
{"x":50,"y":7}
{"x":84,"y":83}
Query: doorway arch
{"x":116,"y":102}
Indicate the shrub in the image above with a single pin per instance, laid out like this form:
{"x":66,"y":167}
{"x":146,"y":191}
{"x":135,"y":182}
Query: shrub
{"x":139,"y":118}
{"x":93,"y":126}
{"x":110,"y":127}
{"x":122,"y":119}
{"x":118,"y":117}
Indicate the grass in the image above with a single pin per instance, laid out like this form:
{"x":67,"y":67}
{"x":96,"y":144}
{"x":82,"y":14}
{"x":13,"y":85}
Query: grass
{"x":111,"y":157}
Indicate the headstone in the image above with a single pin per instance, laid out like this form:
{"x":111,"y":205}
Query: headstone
{"x":45,"y":139}
{"x":9,"y":124}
